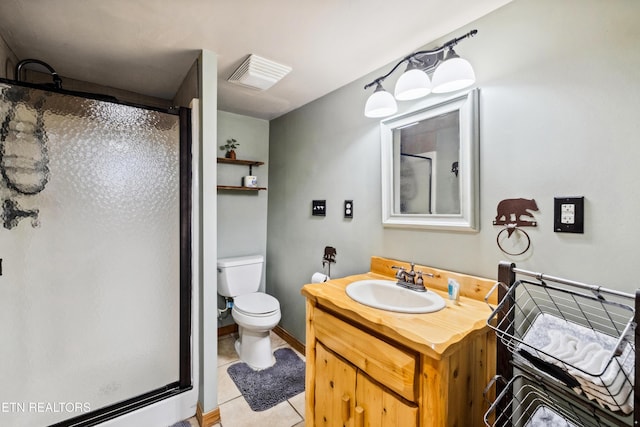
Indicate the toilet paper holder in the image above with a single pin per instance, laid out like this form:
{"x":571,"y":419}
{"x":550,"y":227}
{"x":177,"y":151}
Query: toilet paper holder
{"x":329,"y":258}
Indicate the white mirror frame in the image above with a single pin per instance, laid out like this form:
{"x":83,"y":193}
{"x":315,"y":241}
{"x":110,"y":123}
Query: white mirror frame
{"x":467,"y":220}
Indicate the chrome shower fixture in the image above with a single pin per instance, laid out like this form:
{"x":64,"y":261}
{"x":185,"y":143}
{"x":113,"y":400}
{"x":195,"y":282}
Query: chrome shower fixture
{"x":12,"y":214}
{"x":57,"y":81}
{"x":451,"y":73}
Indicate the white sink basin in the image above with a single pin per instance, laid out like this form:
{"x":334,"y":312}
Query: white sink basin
{"x":386,"y":295}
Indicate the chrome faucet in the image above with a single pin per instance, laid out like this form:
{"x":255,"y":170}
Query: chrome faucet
{"x":411,"y":279}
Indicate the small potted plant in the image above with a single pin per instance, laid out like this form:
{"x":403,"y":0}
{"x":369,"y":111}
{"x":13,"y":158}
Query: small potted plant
{"x":230,"y":146}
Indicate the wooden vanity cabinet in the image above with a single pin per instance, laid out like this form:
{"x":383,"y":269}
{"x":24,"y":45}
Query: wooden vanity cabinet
{"x":350,"y":398}
{"x":336,"y":383}
{"x":381,"y":408}
{"x":356,"y":378}
{"x":367,"y":367}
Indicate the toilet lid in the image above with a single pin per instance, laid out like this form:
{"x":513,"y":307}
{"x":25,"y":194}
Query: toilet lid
{"x":256,"y":303}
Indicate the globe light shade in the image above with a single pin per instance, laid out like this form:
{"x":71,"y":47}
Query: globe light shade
{"x":380,"y":104}
{"x":453,"y":74}
{"x":413,"y":84}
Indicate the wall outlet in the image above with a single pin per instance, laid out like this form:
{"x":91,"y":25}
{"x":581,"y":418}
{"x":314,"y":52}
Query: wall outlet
{"x":568,"y":214}
{"x":348,"y":208}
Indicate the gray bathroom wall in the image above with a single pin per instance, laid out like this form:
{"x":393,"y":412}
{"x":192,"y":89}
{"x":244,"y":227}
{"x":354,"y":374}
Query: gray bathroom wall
{"x":559,"y":98}
{"x":242,"y":215}
{"x":8,"y":60}
{"x":188,"y":90}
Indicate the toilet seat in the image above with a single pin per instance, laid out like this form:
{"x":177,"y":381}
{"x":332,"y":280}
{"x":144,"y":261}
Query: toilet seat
{"x":256,"y":304}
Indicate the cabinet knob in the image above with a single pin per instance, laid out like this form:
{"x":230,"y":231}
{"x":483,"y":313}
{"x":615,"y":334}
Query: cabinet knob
{"x":346,"y":407}
{"x":359,"y":416}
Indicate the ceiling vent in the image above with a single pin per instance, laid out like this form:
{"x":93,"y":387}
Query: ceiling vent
{"x":259,"y":73}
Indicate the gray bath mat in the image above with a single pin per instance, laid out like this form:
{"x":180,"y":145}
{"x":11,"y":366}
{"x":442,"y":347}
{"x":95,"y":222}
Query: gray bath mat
{"x":182,"y":424}
{"x":268,"y":387}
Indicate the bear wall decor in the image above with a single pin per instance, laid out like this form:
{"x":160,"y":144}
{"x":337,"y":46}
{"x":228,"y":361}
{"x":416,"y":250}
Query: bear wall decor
{"x":516,"y":211}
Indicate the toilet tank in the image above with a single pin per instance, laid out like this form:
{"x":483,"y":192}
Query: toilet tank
{"x":239,"y":275}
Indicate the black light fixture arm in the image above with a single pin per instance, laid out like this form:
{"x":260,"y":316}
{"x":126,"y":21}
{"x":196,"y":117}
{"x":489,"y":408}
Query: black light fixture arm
{"x":425,"y":58}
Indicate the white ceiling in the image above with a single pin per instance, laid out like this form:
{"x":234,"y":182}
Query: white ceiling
{"x":148,"y":46}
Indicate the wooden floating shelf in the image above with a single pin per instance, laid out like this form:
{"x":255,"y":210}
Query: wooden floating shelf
{"x":238,"y":188}
{"x":249,"y":163}
{"x":239,"y":162}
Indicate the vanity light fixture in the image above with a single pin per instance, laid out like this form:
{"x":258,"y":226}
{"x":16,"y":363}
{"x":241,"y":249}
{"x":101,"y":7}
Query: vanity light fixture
{"x":413,"y":83}
{"x":380,"y":103}
{"x":451,"y":73}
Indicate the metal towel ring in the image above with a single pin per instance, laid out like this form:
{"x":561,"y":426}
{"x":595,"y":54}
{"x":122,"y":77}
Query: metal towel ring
{"x":510,"y":228}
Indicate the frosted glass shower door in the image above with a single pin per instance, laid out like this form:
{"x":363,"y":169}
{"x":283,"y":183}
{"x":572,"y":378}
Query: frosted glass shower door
{"x":90,"y":247}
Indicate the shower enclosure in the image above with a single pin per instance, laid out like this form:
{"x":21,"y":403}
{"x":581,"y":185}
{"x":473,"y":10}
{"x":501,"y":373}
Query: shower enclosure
{"x":95,"y":256}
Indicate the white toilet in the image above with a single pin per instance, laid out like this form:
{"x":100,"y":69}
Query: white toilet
{"x":256,"y":313}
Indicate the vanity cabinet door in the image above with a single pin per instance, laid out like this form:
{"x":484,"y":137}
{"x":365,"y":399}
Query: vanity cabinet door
{"x":335,"y":390}
{"x":380,"y":408}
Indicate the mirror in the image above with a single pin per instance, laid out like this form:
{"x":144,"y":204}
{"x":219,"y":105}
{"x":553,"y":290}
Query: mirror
{"x":430,"y":166}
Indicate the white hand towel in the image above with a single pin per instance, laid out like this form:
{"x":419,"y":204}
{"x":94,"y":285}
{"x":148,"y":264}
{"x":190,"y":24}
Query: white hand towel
{"x":561,"y":345}
{"x":584,"y":354}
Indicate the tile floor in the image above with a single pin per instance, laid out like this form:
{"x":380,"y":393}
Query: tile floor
{"x":234,"y":410}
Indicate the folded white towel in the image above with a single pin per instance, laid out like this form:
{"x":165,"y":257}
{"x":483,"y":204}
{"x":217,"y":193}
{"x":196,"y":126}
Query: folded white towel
{"x":612,"y":379}
{"x":611,"y":391}
{"x":587,"y":355}
{"x":546,"y":417}
{"x":622,"y":401}
{"x":562,"y":345}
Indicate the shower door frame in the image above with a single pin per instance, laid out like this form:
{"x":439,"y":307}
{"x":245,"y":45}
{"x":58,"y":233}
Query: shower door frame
{"x":184,"y":382}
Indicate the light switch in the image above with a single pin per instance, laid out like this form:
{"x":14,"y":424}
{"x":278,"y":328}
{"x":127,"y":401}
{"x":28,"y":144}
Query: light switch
{"x":568,"y":215}
{"x":319,"y":208}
